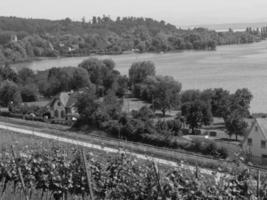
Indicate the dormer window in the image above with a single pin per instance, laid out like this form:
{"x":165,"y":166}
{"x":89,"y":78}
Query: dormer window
{"x":58,"y":103}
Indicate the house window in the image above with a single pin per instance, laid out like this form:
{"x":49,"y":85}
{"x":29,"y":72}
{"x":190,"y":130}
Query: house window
{"x":62,"y":114}
{"x":263,"y":144}
{"x":249,"y":141}
{"x":58,"y":103}
{"x":56,"y":113}
{"x":256,"y":128}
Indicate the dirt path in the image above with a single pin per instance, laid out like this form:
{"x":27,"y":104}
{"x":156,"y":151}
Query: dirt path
{"x":6,"y":126}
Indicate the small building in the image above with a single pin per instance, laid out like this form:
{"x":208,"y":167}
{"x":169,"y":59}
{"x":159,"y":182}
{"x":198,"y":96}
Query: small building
{"x":255,"y":142}
{"x":62,"y":107}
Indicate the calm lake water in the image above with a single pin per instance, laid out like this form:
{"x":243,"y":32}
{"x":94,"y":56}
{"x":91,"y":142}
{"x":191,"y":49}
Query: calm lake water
{"x":230,"y":67}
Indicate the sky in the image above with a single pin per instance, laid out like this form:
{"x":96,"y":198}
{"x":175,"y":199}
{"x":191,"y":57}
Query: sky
{"x":177,"y":12}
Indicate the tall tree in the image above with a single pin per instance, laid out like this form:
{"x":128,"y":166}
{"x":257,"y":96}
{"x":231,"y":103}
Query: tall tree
{"x":140,"y":70}
{"x":29,"y":93}
{"x":235,"y":124}
{"x":9,"y":93}
{"x":219,"y":102}
{"x":26,"y":76}
{"x":197,"y":113}
{"x":86,"y":106}
{"x":80,"y":79}
{"x":7,"y":73}
{"x":166,"y":94}
{"x":240,"y":101}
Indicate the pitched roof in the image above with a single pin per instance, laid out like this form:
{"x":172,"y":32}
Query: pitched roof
{"x":262,"y":123}
{"x":68,"y":99}
{"x":64,"y":98}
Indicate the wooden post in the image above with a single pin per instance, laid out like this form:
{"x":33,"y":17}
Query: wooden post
{"x":88,"y":175}
{"x":20,"y":174}
{"x":258,"y":183}
{"x":155,"y":168}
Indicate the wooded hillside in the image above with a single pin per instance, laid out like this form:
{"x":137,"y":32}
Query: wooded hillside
{"x":22,"y":39}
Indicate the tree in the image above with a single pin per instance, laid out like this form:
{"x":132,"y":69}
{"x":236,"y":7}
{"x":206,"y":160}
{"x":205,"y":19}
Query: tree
{"x":86,"y":106}
{"x":197,"y":113}
{"x":219,"y":102}
{"x":190,"y":95}
{"x":9,"y":93}
{"x":26,"y":76}
{"x":140,"y":70}
{"x":110,"y":64}
{"x":166,"y":94}
{"x":240,"y":101}
{"x":236,"y":111}
{"x":95,"y":69}
{"x":7,"y":73}
{"x":80,"y":79}
{"x":58,"y":80}
{"x":94,"y":20}
{"x":29,"y":93}
{"x":235,"y":124}
{"x":122,"y":86}
{"x":112,"y":105}
{"x":145,"y":114}
{"x":102,"y":74}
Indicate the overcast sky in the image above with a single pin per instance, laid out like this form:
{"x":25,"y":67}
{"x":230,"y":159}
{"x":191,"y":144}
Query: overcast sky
{"x":178,"y":12}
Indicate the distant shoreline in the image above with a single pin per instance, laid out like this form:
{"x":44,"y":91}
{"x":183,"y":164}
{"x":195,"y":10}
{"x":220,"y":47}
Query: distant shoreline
{"x":134,"y":53}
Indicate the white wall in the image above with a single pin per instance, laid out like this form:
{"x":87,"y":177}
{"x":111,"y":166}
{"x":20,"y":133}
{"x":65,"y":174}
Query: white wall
{"x":257,"y":136}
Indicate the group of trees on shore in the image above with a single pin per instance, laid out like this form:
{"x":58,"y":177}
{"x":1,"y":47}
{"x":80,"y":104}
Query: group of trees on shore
{"x":23,"y":39}
{"x":161,"y":91}
{"x":100,"y":103}
{"x":28,"y":86}
{"x":199,"y":108}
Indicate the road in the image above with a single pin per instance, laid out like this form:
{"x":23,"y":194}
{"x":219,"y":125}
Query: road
{"x":20,"y":130}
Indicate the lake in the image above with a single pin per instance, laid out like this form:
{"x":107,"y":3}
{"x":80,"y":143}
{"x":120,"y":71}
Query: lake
{"x":230,"y":67}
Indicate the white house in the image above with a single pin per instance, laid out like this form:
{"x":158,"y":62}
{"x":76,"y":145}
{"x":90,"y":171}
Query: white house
{"x":254,"y":143}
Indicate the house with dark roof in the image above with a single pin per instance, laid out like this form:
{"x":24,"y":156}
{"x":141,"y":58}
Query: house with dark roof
{"x":62,"y":106}
{"x":255,"y":142}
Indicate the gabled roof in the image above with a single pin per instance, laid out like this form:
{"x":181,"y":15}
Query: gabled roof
{"x":262,"y":123}
{"x":68,"y":99}
{"x":64,"y":98}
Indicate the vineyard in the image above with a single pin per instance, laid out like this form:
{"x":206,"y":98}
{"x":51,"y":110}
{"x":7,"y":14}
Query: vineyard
{"x":45,"y":171}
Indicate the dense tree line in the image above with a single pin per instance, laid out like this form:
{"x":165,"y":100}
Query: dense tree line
{"x":161,"y":91}
{"x":27,"y":86}
{"x":137,"y":126}
{"x":103,"y":35}
{"x":100,"y":101}
{"x":198,"y":108}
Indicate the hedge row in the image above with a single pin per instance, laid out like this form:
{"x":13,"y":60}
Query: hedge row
{"x":139,"y":131}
